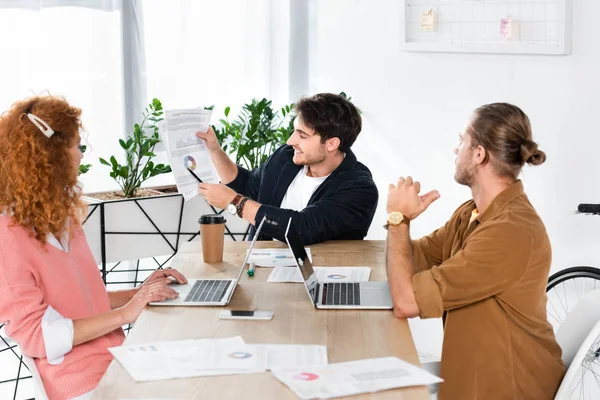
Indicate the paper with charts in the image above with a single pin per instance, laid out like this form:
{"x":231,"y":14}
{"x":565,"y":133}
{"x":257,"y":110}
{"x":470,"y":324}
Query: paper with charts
{"x":275,"y":257}
{"x":185,"y":150}
{"x":324,"y":274}
{"x":210,"y":357}
{"x":354,"y":377}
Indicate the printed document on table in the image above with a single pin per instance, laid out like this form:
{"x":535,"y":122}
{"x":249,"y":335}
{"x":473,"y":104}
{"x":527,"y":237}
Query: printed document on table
{"x":187,"y":358}
{"x":185,"y":150}
{"x":324,"y":274}
{"x":275,"y":257}
{"x":354,"y":377}
{"x":274,"y":356}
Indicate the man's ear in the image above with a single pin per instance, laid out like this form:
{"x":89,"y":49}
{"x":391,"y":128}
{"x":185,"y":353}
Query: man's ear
{"x":480,"y":156}
{"x":332,"y":144}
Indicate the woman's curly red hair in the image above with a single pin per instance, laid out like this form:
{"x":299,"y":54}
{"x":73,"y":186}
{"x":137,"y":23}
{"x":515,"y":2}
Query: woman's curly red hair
{"x":38,"y":181}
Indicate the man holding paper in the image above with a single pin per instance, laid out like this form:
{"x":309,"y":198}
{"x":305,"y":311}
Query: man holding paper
{"x":485,"y":271}
{"x":315,"y":178}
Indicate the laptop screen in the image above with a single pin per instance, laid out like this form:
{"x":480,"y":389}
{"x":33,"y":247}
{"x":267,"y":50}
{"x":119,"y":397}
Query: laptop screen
{"x":302,"y":262}
{"x":249,"y":252}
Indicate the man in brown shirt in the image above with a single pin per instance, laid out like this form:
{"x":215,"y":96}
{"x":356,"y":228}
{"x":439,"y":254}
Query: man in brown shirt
{"x":485,"y":270}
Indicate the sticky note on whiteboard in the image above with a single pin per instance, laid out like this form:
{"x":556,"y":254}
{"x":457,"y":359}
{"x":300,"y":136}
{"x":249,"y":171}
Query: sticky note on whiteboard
{"x":429,"y":20}
{"x":509,"y":29}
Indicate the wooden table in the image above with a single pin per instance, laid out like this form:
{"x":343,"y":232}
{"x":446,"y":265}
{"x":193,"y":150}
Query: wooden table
{"x":348,"y":335}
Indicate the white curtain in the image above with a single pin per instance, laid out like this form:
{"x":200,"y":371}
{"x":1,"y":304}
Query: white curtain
{"x":68,"y":51}
{"x":111,"y":57}
{"x":200,"y":53}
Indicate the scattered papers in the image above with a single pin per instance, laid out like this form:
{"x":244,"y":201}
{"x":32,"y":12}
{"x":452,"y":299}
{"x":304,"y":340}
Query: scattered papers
{"x":324,"y":274}
{"x":209,"y":357}
{"x":275,"y":257}
{"x":187,"y":358}
{"x":274,"y":356}
{"x":354,"y":377}
{"x":185,"y":150}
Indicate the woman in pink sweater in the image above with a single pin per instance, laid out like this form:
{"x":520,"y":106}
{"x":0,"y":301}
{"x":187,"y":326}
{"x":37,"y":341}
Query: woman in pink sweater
{"x":52,"y":298}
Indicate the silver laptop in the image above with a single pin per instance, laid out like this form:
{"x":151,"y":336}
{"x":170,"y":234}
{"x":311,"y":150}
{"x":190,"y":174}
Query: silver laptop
{"x":209,"y":292}
{"x":340,"y":295}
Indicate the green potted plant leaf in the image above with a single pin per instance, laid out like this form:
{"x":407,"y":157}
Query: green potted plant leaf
{"x":83,"y":168}
{"x":256,"y":133}
{"x":139,"y":151}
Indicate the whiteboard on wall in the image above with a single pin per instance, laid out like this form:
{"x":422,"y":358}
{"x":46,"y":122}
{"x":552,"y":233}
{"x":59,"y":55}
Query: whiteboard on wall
{"x":488,"y":26}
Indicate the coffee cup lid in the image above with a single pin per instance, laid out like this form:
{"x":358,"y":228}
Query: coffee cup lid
{"x":212,"y":219}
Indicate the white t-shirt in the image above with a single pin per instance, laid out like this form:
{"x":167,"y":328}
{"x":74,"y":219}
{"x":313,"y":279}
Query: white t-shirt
{"x":300,"y":190}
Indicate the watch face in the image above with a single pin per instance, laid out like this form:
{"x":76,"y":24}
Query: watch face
{"x":232,"y":209}
{"x":395,"y":218}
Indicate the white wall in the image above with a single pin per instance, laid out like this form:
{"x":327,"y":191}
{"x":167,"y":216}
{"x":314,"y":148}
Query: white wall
{"x":414,"y":105}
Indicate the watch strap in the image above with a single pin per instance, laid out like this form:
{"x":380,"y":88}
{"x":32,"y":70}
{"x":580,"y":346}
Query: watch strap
{"x":236,"y":200}
{"x":240,"y":206}
{"x":404,"y":221}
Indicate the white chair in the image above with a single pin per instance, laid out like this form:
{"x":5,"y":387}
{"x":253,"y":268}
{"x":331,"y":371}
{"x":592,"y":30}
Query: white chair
{"x":38,"y":385}
{"x":579,"y":339}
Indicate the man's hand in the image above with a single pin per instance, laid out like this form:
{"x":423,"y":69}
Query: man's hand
{"x":217,"y":195}
{"x":212,"y":144}
{"x":404,"y":197}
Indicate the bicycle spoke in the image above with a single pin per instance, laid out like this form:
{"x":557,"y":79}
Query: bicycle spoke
{"x":581,"y":392}
{"x":595,"y":375}
{"x":596,"y":378}
{"x":559,"y":299}
{"x":555,"y":311}
{"x":553,"y":316}
{"x":576,"y":385}
{"x":566,"y":298}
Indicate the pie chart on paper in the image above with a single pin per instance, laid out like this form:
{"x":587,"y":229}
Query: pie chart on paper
{"x":189,"y":162}
{"x":306,"y":376}
{"x":239,"y":355}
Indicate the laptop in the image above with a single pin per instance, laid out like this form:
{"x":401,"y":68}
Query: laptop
{"x":209,"y":292}
{"x":336,"y":295}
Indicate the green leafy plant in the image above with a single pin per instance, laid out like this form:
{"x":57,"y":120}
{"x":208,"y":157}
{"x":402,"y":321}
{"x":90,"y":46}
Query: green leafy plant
{"x":257,"y":131}
{"x":139,"y":151}
{"x":83,"y":168}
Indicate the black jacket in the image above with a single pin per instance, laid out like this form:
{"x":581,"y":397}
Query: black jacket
{"x":341,"y":208}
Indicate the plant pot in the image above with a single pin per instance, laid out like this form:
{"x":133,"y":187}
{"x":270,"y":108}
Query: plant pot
{"x":137,"y":228}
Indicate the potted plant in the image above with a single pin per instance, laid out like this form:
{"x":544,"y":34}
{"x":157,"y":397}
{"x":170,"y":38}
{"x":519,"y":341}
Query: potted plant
{"x":136,"y":223}
{"x":124,"y":226}
{"x":256,"y":133}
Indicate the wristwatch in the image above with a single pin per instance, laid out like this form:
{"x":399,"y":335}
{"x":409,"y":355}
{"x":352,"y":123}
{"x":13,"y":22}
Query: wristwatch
{"x":232,"y":208}
{"x":396,"y":218}
{"x":240,"y":206}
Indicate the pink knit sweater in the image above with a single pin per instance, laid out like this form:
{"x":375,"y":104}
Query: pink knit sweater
{"x":34,"y":277}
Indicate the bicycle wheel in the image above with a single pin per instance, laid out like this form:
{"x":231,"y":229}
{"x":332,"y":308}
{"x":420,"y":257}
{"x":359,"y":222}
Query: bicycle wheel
{"x":565,"y":288}
{"x":582,"y":378}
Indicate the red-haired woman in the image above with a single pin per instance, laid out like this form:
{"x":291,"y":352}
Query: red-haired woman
{"x":52,"y":298}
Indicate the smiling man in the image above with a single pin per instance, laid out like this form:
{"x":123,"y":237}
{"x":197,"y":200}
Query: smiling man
{"x":315,"y":178}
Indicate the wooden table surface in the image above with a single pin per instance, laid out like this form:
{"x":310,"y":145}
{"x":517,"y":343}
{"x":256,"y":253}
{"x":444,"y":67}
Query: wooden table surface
{"x":348,"y":334}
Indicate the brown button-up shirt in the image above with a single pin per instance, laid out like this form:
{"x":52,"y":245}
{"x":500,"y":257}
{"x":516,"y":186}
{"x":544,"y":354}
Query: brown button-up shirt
{"x":487,"y":279}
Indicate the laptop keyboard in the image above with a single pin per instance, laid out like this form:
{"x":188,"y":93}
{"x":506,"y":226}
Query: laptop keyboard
{"x":208,"y":291}
{"x":341,"y":294}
